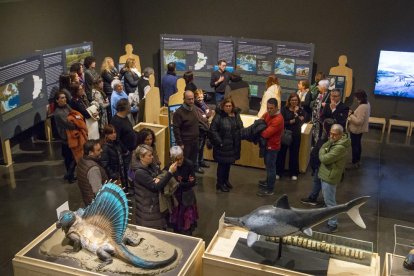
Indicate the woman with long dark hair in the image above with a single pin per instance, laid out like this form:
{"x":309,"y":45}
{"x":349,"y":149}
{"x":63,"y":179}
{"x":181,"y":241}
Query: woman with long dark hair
{"x":294,"y":116}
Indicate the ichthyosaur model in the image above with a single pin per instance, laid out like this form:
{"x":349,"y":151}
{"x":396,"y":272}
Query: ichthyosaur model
{"x":280,"y":219}
{"x":100,"y":228}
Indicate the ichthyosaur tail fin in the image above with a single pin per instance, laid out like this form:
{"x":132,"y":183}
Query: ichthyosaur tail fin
{"x":125,"y":254}
{"x":353,"y":210}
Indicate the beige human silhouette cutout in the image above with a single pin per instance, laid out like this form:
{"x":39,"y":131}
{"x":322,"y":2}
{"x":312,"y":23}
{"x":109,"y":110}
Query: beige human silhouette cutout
{"x":342,"y":70}
{"x":151,"y":80}
{"x":152,"y":102}
{"x":129,"y":54}
{"x":178,"y":97}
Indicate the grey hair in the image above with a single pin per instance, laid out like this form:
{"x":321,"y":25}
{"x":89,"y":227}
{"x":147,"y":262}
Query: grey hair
{"x":338,"y":128}
{"x":115,"y":82}
{"x":142,"y":150}
{"x":148,"y":71}
{"x":323,"y":83}
{"x":175,"y":152}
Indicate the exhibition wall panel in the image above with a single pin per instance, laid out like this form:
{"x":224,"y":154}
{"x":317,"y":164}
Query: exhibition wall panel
{"x":357,"y":29}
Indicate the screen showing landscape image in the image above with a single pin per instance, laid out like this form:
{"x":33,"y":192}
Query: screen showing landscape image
{"x":77,"y":54}
{"x":246,"y":62}
{"x":9,"y":97}
{"x":395,"y":75}
{"x":285,"y":66}
{"x":179,"y":57}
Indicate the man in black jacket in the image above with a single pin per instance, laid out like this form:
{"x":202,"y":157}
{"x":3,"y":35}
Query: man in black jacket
{"x":185,"y":128}
{"x":124,"y":130}
{"x":336,"y":109}
{"x":219,"y":80}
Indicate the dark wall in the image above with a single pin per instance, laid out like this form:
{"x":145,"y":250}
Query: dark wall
{"x":41,"y":24}
{"x":358,"y":29}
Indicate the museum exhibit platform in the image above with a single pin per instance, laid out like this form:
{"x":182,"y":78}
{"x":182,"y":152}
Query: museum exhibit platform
{"x":30,"y":262}
{"x":228,"y":254}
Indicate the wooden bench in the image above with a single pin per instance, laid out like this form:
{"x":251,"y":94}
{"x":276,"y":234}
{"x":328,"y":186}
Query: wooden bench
{"x":380,"y":121}
{"x":400,"y":123}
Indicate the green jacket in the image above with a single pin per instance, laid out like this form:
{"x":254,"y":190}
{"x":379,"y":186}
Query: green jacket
{"x":333,"y":159}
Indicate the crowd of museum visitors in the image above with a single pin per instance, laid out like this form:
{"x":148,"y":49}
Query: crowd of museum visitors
{"x":95,"y":111}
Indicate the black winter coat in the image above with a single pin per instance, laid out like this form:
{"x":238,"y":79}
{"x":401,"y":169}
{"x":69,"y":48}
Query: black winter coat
{"x":130,"y":81}
{"x":225,"y":136}
{"x":114,"y":159}
{"x":108,"y":77}
{"x":252,"y":132}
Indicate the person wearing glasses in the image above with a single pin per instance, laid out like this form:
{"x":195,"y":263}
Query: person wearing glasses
{"x":332,"y":156}
{"x":335,"y":109}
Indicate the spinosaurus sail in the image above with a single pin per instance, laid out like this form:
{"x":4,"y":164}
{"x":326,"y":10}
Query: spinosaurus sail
{"x":100,"y":229}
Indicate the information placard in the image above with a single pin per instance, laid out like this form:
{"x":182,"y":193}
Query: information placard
{"x":26,"y":85}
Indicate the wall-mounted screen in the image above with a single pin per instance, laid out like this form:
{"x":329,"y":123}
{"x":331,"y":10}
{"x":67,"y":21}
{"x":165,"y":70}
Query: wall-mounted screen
{"x":255,"y":59}
{"x":395,"y":74}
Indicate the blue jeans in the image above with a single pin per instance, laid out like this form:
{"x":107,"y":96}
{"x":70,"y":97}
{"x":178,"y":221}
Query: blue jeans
{"x":329,"y":195}
{"x":316,"y":187}
{"x":270,"y":157}
{"x":219,"y":97}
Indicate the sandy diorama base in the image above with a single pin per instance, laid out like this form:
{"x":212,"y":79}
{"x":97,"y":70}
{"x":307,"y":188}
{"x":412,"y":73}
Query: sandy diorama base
{"x":151,"y":248}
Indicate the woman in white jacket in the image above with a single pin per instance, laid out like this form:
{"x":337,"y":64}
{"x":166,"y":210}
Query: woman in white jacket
{"x":358,"y":124}
{"x":272,"y":91}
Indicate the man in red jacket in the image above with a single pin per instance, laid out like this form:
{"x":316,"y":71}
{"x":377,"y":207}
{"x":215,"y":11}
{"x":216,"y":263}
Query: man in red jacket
{"x":273,"y":135}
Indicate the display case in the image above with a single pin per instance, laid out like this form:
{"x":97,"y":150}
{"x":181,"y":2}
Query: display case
{"x":321,"y":254}
{"x":403,"y":243}
{"x":29,"y":261}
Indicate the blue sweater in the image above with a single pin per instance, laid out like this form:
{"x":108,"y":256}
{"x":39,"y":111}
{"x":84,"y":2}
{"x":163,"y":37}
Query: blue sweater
{"x":115,"y":97}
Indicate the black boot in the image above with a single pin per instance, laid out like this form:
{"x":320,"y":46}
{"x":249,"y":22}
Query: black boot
{"x":222,"y":188}
{"x":228,"y":184}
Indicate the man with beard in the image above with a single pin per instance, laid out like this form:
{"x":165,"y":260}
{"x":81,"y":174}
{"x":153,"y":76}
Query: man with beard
{"x":90,"y":173}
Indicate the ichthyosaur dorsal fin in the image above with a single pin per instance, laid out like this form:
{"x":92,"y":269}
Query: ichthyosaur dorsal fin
{"x":109,"y":211}
{"x":282,"y":202}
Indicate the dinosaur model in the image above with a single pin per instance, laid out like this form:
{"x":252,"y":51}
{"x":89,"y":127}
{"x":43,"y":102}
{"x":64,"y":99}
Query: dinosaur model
{"x":100,"y":228}
{"x":280,"y":219}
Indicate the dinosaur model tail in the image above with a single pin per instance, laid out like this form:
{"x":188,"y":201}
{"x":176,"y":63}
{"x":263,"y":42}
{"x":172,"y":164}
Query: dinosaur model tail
{"x":353,"y":210}
{"x":125,"y":254}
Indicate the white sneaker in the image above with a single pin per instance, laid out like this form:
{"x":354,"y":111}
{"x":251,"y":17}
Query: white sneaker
{"x":277,"y":177}
{"x":294,"y":177}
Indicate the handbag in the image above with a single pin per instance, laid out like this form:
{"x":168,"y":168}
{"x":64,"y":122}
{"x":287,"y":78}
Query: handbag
{"x":287,"y":137}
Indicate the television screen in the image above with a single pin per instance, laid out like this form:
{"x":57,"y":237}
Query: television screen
{"x":395,"y":74}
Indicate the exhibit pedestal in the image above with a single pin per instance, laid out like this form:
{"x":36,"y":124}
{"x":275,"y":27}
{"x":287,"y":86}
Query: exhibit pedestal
{"x":227,"y":254}
{"x":163,"y":119}
{"x":7,"y":156}
{"x":160,"y":133}
{"x":25,"y":264}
